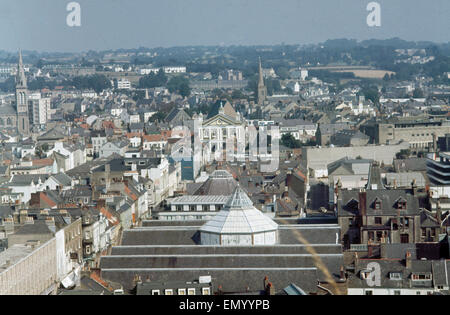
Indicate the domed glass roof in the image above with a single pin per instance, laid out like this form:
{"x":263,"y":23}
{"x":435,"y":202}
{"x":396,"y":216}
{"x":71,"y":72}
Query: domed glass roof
{"x":239,"y":216}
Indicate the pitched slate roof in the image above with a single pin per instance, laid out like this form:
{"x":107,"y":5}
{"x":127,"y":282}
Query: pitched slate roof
{"x":388,"y":199}
{"x":220,"y":183}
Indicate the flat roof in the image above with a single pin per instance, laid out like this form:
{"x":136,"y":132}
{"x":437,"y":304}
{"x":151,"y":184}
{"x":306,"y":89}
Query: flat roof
{"x":13,"y":254}
{"x":199,"y":199}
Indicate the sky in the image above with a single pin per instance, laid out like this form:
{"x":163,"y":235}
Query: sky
{"x":111,"y":24}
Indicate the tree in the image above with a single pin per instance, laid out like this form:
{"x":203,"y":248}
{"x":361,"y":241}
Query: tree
{"x":153,"y":80}
{"x":403,"y":154}
{"x":97,"y":82}
{"x":371,"y":93}
{"x":40,"y":64}
{"x":180,"y":85}
{"x":237,"y":94}
{"x":289,"y":141}
{"x":159,"y":116}
{"x":184,"y":89}
{"x":418,"y":93}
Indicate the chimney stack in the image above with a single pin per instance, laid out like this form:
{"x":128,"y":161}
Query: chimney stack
{"x":438,"y":212}
{"x":434,"y":142}
{"x":266,"y":281}
{"x":23,"y":215}
{"x":270,"y":289}
{"x":414,"y":187}
{"x":408,"y":260}
{"x":362,"y":203}
{"x":342,"y":273}
{"x":50,"y":221}
{"x":356,"y":261}
{"x":29,"y":220}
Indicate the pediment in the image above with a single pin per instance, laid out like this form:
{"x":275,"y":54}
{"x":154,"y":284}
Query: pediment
{"x":219,"y":120}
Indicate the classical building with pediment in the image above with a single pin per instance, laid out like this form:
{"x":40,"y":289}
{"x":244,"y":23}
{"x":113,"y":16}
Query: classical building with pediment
{"x":216,"y":129}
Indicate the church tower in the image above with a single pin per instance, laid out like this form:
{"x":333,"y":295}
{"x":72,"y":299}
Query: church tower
{"x":23,"y":124}
{"x":262,"y":90}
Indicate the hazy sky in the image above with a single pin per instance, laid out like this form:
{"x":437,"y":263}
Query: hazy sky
{"x":110,"y":24}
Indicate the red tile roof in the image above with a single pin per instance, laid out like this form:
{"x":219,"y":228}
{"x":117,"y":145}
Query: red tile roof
{"x":43,"y":162}
{"x":153,"y":138}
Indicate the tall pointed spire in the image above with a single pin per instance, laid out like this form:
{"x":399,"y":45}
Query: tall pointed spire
{"x":261,"y":78}
{"x":23,"y":122}
{"x":21,"y":79}
{"x":262,"y":90}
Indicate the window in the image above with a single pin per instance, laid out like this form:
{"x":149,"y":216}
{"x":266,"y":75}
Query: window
{"x":395,"y":276}
{"x":421,"y":276}
{"x":206,"y":291}
{"x":379,"y":236}
{"x":404,"y":238}
{"x":377,"y":204}
{"x":168,"y":292}
{"x":401,"y":204}
{"x":417,"y":292}
{"x":191,"y":291}
{"x":369,"y":292}
{"x":397,"y":292}
{"x":378,"y":220}
{"x":181,"y":291}
{"x":365,"y":274}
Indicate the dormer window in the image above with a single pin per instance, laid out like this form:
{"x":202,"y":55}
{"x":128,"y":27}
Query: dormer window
{"x":365,"y":274}
{"x":401,"y":204}
{"x":395,"y":276}
{"x":377,"y":204}
{"x":352,"y":204}
{"x":421,"y":276}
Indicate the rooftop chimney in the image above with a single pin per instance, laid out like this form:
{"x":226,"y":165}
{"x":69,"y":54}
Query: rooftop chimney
{"x":29,"y":220}
{"x":438,"y":212}
{"x":408,"y":260}
{"x":342,"y":273}
{"x":266,"y":281}
{"x":414,"y":187}
{"x":50,"y":221}
{"x":362,"y":203}
{"x":270,"y":289}
{"x":23,"y":214}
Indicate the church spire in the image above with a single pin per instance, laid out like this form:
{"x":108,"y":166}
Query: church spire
{"x":23,"y":122}
{"x":262,"y":90}
{"x":21,"y":79}
{"x":261,"y":78}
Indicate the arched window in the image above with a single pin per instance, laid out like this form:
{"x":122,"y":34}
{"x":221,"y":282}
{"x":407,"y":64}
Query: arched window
{"x":8,"y":121}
